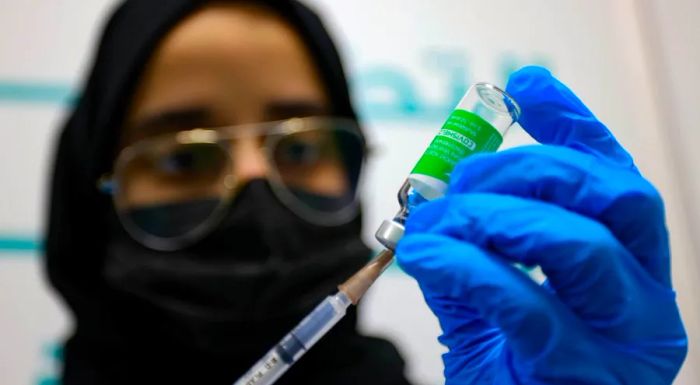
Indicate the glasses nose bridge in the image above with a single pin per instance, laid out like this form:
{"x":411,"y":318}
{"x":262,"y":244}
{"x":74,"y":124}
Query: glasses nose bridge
{"x":249,"y":158}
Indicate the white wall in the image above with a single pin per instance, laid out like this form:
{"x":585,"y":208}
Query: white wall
{"x":672,"y":45}
{"x":409,"y":61}
{"x":43,"y":50}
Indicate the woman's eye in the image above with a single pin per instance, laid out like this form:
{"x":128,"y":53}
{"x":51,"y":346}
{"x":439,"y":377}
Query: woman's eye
{"x":177,"y":162}
{"x":300,"y":153}
{"x":188,"y":160}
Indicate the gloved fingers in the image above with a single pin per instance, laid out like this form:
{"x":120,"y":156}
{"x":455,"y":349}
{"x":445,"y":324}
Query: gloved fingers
{"x":591,"y":272}
{"x":552,"y":114}
{"x":627,"y":204}
{"x":453,"y":273}
{"x":464,"y":329}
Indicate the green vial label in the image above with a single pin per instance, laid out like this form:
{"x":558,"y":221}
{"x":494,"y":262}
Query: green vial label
{"x":463,"y":134}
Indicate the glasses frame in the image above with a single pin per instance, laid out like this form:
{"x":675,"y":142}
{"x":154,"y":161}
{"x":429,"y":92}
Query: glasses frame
{"x":273,"y":132}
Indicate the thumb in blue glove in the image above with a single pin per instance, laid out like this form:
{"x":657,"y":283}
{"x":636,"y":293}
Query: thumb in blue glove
{"x":577,"y":207}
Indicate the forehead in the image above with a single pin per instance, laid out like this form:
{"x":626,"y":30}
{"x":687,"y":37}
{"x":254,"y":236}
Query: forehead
{"x":238,"y":54}
{"x":238,"y":28}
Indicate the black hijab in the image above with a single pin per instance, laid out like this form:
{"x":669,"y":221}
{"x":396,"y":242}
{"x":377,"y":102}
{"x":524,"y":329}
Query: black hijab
{"x":102,"y":348}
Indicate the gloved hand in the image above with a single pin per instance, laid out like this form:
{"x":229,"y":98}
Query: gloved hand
{"x":577,"y":207}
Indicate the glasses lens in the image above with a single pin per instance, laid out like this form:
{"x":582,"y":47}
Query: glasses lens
{"x":319,"y":167}
{"x":172,"y":190}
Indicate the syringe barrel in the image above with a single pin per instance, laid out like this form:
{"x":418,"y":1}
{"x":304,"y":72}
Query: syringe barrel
{"x":292,"y":346}
{"x":321,"y":319}
{"x":266,"y":371}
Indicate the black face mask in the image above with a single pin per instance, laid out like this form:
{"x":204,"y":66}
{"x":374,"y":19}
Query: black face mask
{"x":244,"y":285}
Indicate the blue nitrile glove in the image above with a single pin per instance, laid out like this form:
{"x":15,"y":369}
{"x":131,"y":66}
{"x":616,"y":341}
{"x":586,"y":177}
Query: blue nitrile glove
{"x":577,"y":207}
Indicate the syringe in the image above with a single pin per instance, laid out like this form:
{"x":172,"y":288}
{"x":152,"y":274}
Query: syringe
{"x":478,"y":124}
{"x":315,"y":325}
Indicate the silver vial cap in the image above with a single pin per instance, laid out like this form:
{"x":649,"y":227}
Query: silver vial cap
{"x":389,"y":234}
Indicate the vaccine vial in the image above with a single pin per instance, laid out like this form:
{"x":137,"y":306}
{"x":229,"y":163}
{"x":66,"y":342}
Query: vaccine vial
{"x":477,"y":124}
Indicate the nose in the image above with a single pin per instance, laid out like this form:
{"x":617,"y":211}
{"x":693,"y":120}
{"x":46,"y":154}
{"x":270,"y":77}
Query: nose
{"x":249,"y":161}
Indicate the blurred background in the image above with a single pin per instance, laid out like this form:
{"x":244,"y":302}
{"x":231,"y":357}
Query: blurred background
{"x":633,"y":62}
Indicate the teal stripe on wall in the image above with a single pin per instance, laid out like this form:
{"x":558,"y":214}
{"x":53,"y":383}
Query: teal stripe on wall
{"x":35,"y":92}
{"x":18,"y":244}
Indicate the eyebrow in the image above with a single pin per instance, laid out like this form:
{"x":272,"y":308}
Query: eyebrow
{"x":279,"y":110}
{"x":187,"y":117}
{"x":171,"y":119}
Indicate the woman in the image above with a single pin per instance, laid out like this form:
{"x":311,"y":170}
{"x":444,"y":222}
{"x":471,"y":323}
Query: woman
{"x":195,"y":255}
